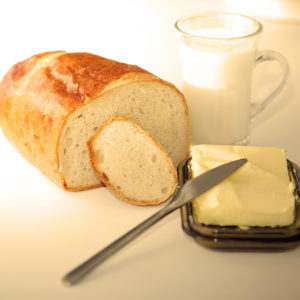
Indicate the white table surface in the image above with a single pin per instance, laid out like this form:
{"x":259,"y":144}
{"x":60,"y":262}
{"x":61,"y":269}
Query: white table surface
{"x":44,"y":231}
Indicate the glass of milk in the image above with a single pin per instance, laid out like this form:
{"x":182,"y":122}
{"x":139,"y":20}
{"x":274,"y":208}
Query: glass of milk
{"x":218,"y":53}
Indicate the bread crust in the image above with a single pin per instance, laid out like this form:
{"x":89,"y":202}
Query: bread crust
{"x":38,"y":94}
{"x":105,"y":179}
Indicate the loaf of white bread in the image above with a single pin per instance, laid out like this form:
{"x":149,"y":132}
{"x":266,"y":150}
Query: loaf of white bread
{"x":53,"y":103}
{"x":131,"y":163}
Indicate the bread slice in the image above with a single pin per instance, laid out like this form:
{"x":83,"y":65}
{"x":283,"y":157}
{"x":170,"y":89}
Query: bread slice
{"x":52,"y":103}
{"x":132,"y":163}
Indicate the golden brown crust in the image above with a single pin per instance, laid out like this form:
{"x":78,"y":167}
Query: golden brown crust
{"x":38,"y":94}
{"x":104,"y":177}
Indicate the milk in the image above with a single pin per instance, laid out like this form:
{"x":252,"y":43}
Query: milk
{"x":218,"y":116}
{"x":216,"y":84}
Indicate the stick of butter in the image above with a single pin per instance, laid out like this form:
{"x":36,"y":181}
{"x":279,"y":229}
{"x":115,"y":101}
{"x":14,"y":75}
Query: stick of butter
{"x":258,"y":194}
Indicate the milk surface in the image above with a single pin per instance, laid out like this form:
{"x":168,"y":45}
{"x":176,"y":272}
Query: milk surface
{"x":216,"y":83}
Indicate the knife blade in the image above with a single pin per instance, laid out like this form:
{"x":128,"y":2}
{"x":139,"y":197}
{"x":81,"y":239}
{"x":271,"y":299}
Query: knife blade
{"x":204,"y":182}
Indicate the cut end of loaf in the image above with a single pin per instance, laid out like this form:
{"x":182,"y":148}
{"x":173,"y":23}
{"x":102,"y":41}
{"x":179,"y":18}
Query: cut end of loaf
{"x":158,"y":107}
{"x":131,"y":163}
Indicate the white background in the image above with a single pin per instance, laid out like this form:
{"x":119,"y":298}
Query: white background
{"x":44,"y":231}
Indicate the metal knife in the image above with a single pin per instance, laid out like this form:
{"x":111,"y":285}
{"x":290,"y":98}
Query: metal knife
{"x":190,"y":190}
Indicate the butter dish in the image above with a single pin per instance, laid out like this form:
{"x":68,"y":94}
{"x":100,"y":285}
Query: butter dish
{"x":236,"y":238}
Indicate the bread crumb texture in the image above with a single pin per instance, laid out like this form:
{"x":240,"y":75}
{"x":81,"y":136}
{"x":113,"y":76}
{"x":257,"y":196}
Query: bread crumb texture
{"x":132,"y":163}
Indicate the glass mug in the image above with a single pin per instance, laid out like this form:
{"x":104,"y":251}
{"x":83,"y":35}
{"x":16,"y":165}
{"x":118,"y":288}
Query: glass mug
{"x":218,"y":53}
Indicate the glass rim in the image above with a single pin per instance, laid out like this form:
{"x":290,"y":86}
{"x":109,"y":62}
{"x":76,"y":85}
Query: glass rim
{"x":191,"y":35}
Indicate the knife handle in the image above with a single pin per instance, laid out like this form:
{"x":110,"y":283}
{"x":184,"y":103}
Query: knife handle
{"x":83,"y":269}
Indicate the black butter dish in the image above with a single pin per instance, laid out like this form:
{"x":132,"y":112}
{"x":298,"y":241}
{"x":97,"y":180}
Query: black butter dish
{"x":235,"y":238}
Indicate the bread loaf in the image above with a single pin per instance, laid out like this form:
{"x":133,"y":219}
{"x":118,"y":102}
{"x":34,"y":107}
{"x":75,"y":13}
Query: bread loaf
{"x":53,"y":103}
{"x":131,"y":163}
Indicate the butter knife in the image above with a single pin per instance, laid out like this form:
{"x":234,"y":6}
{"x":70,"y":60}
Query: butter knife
{"x":190,"y":190}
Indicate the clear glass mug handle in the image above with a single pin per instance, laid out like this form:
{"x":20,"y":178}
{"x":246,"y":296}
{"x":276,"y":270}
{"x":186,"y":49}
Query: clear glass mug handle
{"x":270,"y":55}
